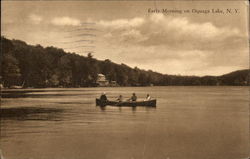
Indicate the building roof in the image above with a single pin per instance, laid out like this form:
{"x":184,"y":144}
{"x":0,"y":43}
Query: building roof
{"x":101,"y":75}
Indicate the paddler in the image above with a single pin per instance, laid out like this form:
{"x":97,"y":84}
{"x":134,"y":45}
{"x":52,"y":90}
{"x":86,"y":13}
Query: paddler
{"x":120,"y":98}
{"x":148,"y":98}
{"x":103,"y":97}
{"x":133,"y":98}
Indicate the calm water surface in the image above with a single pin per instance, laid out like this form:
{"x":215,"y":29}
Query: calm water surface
{"x":188,"y":123}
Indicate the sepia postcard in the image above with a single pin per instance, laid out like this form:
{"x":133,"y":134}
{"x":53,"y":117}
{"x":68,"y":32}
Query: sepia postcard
{"x":124,"y":79}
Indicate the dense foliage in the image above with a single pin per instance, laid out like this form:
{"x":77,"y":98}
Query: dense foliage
{"x":36,"y":66}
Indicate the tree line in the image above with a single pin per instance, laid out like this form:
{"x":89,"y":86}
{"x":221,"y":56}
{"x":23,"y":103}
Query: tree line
{"x":37,"y":66}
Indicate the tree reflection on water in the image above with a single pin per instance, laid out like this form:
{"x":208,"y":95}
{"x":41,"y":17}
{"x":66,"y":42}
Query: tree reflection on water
{"x":31,"y":113}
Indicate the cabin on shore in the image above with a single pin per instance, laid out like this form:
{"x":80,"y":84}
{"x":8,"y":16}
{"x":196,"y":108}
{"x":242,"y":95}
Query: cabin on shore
{"x":101,"y":80}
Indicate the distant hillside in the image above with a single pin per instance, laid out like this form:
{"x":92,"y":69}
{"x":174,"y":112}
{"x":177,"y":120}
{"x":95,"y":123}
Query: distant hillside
{"x":240,"y":77}
{"x":36,"y":66}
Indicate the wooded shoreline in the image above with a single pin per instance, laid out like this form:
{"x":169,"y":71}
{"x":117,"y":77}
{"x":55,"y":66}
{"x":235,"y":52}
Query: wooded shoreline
{"x":25,"y":66}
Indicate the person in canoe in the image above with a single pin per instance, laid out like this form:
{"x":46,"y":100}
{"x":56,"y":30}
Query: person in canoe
{"x":133,"y":98}
{"x":148,"y":98}
{"x":103,"y":98}
{"x":120,"y":98}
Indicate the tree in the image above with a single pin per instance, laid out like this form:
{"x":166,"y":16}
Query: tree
{"x":10,"y":71}
{"x":90,"y":56}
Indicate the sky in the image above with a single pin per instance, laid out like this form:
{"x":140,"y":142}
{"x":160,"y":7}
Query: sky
{"x":199,"y":42}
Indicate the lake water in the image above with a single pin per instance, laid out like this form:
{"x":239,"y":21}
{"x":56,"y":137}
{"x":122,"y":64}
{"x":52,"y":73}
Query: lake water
{"x":64,"y":123}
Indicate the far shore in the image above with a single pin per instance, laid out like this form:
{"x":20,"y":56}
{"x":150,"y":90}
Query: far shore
{"x":27,"y":88}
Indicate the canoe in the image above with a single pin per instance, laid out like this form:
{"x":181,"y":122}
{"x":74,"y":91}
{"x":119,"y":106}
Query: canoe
{"x":149,"y":103}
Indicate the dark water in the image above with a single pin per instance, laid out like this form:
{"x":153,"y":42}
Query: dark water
{"x":188,"y":123}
